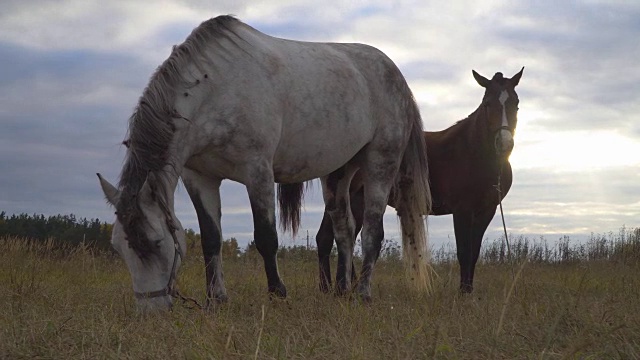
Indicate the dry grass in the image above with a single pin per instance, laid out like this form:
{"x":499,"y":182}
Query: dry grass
{"x":71,"y":303}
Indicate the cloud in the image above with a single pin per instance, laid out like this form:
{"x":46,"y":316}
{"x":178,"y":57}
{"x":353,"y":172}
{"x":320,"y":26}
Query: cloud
{"x":586,"y":49}
{"x":551,"y":201}
{"x":74,"y":71}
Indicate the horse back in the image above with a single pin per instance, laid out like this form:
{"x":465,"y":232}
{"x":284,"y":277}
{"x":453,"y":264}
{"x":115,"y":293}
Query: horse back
{"x":306,"y":108}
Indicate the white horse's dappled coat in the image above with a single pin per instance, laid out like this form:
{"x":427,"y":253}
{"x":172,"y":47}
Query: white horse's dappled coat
{"x":234,"y":103}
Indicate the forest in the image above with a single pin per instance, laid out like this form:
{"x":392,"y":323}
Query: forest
{"x":66,"y":229}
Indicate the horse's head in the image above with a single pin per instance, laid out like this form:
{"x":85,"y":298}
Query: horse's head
{"x":500,"y":107}
{"x":149,"y":238}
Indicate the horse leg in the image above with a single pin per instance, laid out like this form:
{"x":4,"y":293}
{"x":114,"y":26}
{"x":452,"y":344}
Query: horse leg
{"x":378,"y":181}
{"x":481,"y":222}
{"x":357,"y":209}
{"x":462,"y":225}
{"x":324,"y":241}
{"x":205,"y":195}
{"x":262,"y":198}
{"x":335,"y":190}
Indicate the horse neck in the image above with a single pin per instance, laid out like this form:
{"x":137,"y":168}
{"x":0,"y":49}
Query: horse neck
{"x":135,"y":173}
{"x":482,"y":135}
{"x":477,"y":139}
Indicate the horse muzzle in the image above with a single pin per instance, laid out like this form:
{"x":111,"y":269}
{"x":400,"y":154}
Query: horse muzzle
{"x":504,"y":141}
{"x":154,"y":304}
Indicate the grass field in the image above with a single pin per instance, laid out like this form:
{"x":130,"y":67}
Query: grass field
{"x":71,"y":303}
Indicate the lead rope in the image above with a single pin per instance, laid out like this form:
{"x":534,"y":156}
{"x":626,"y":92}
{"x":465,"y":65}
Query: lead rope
{"x":498,"y":144}
{"x":187,"y":299}
{"x":171,"y":287}
{"x":504,"y":226}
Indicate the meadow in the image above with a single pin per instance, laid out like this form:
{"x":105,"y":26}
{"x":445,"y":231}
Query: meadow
{"x":560,"y":301}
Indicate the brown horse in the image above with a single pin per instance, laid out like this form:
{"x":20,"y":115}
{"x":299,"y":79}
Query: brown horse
{"x":465,"y":163}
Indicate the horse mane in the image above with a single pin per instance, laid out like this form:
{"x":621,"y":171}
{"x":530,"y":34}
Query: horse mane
{"x":151,"y":126}
{"x":499,"y":78}
{"x":470,"y":118}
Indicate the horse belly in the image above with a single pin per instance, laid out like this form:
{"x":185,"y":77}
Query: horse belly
{"x":304,"y":158}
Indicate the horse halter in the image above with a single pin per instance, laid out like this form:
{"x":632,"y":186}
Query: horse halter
{"x":170,"y":289}
{"x":497,"y":134}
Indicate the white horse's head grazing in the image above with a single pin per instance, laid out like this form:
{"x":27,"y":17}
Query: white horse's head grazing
{"x":150,"y":239}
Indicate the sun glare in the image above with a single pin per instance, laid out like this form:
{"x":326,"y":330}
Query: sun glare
{"x":574,"y":151}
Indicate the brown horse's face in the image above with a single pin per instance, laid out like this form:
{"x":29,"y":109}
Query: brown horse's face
{"x":500,"y":109}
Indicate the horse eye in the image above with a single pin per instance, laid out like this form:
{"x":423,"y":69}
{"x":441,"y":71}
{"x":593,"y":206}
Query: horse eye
{"x":158,"y":243}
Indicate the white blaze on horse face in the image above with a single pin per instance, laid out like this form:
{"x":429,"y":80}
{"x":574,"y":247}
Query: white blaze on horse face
{"x":506,"y":138}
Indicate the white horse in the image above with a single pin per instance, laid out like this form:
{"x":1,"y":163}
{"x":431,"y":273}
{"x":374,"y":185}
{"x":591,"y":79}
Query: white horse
{"x":234,"y":103}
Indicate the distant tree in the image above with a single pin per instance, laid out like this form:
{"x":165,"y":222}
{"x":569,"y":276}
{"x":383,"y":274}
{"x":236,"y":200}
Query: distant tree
{"x":230,"y":248}
{"x":62,"y":228}
{"x":391,"y":250}
{"x":251,"y":247}
{"x":297,"y":252}
{"x":192,"y":238}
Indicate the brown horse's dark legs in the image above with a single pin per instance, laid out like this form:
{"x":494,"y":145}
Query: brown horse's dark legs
{"x":324,"y":242}
{"x":469,"y":229}
{"x":463,"y":227}
{"x":481,"y":221}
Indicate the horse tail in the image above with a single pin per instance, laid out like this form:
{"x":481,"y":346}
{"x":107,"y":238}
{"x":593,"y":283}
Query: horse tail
{"x":290,"y":198}
{"x":412,"y":201}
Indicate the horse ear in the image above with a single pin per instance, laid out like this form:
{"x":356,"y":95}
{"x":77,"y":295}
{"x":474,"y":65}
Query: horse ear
{"x":516,"y":78}
{"x":483,"y":81}
{"x":147,"y":191}
{"x":110,"y":192}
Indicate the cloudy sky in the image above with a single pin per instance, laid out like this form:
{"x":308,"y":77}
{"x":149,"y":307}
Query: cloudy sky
{"x":72,"y":72}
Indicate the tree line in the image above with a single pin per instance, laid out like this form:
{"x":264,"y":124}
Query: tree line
{"x":67,"y":228}
{"x":96,"y":234}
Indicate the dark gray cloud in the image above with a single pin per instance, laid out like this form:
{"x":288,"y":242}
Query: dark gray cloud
{"x":62,"y":120}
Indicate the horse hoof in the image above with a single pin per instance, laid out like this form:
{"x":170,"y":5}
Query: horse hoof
{"x":325,"y":284}
{"x":342,"y":290}
{"x":216,"y":298}
{"x":278,"y":291}
{"x":466,"y":289}
{"x":221,"y":299}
